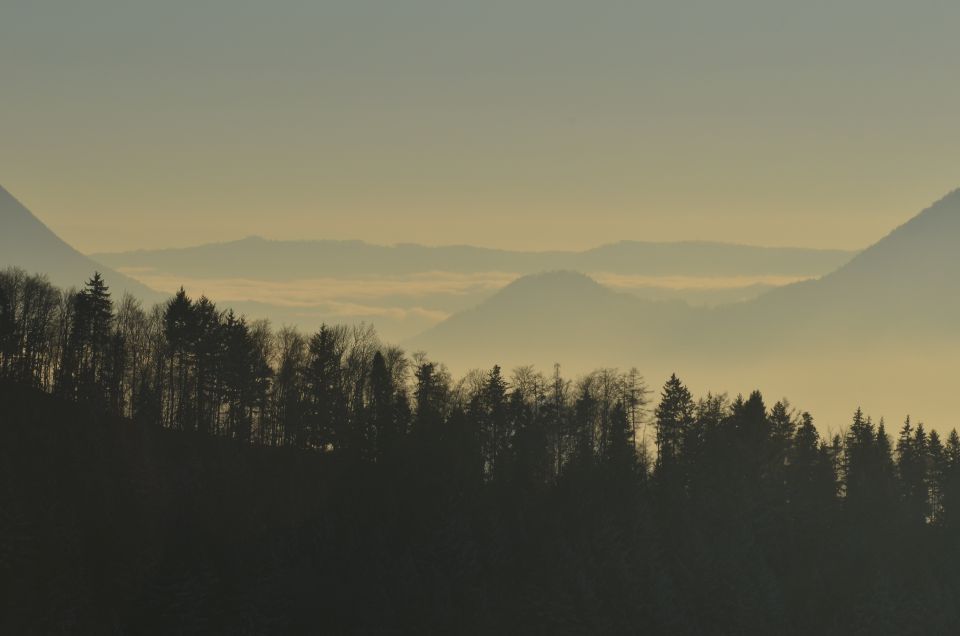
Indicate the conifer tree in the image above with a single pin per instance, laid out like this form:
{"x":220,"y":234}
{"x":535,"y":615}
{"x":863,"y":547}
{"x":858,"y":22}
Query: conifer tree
{"x":950,"y":486}
{"x":83,"y":367}
{"x":936,"y":473}
{"x":383,"y":425}
{"x":324,"y":389}
{"x":495,"y":430}
{"x":206,"y":344}
{"x":620,"y":453}
{"x":429,"y":397}
{"x":673,"y":415}
{"x":860,"y":465}
{"x":583,"y":428}
{"x":179,"y":329}
{"x":912,"y":464}
{"x":530,"y":456}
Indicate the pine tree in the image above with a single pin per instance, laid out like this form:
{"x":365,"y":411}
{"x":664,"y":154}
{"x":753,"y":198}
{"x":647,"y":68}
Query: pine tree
{"x":751,"y":426}
{"x":429,"y":396}
{"x":936,"y":474}
{"x":620,"y":453}
{"x":383,"y":426}
{"x":860,"y":465}
{"x":530,"y":456}
{"x":912,"y":468}
{"x":811,"y":478}
{"x":583,"y":426}
{"x":325,"y":394}
{"x":179,"y":329}
{"x":206,"y":340}
{"x":83,"y":368}
{"x":950,"y":488}
{"x":495,"y":427}
{"x":783,"y":425}
{"x":673,"y":415}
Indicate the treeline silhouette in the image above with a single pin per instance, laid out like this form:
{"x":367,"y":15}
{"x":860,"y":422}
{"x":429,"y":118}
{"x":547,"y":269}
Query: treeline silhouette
{"x":180,"y":470}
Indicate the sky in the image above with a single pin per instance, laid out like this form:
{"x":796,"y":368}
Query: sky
{"x":531,"y":124}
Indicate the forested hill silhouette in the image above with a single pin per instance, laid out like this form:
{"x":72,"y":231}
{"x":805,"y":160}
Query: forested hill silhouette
{"x":182,"y":471}
{"x":259,"y":258}
{"x":27,"y":243}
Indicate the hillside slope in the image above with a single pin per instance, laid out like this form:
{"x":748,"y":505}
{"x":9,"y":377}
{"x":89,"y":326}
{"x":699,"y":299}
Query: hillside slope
{"x":27,"y":243}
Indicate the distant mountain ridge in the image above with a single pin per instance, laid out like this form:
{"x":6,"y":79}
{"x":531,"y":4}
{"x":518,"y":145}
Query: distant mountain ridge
{"x":255,"y":257}
{"x":27,"y":243}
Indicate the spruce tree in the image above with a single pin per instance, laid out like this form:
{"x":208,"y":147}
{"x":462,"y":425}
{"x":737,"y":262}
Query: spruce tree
{"x":673,"y":415}
{"x":178,"y":326}
{"x":382,"y":432}
{"x":325,"y":393}
{"x":620,"y":452}
{"x":936,"y":473}
{"x":912,"y":469}
{"x":496,"y":430}
{"x":950,"y":487}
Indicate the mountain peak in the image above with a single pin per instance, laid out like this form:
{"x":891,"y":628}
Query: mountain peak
{"x":557,"y":283}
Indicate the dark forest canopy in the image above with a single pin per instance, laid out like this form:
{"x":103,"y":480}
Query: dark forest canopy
{"x":190,"y":472}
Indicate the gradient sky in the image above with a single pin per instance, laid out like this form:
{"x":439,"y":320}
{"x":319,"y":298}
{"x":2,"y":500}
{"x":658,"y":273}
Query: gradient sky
{"x":533,"y":124}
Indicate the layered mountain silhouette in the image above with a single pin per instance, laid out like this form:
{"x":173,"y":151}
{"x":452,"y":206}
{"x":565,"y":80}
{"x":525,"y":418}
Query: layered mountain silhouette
{"x":539,"y":315}
{"x":424,"y":285}
{"x":904,"y":291}
{"x":875,"y":325}
{"x":27,"y":243}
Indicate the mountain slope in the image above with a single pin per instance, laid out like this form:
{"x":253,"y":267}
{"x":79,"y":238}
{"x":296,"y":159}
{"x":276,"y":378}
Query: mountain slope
{"x":907,"y":285}
{"x":27,"y":243}
{"x":904,"y":291}
{"x":882,"y":332}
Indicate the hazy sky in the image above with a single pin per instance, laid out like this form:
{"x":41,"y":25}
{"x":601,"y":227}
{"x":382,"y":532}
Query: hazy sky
{"x":513,"y":123}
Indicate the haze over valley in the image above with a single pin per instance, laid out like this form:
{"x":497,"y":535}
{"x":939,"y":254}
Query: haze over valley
{"x":722,"y":315}
{"x":405,"y":288}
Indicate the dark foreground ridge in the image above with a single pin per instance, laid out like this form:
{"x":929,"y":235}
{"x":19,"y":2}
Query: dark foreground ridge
{"x":182,"y":472}
{"x":112,"y":527}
